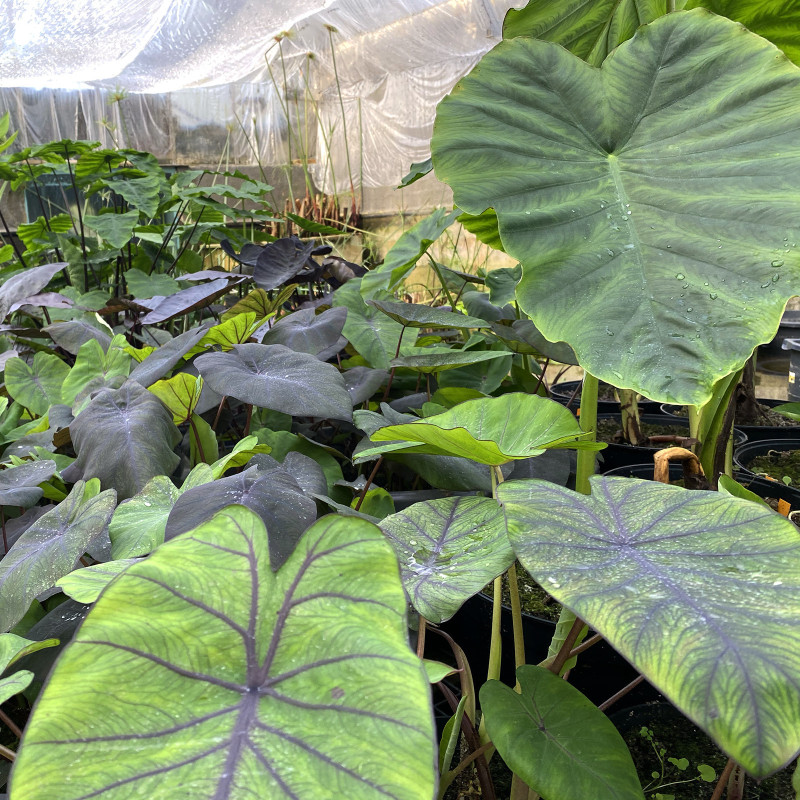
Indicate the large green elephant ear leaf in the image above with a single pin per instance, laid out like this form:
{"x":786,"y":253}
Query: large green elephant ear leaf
{"x":295,"y":685}
{"x":700,"y":592}
{"x":651,"y":202}
{"x":778,"y":21}
{"x":589,"y":30}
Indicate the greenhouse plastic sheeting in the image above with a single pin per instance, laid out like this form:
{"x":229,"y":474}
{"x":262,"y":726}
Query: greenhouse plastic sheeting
{"x":199,"y":81}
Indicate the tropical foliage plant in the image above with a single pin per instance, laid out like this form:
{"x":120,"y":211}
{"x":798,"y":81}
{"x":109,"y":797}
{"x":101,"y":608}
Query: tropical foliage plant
{"x":226,"y":494}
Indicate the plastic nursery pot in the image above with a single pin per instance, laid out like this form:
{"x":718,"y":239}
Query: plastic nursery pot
{"x":744,"y":455}
{"x":765,"y":489}
{"x":563,"y":392}
{"x":752,"y":432}
{"x":599,"y":673}
{"x":620,"y":455}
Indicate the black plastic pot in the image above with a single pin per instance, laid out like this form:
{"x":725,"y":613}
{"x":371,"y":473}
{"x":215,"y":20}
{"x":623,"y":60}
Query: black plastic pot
{"x":744,"y":455}
{"x":753,"y":432}
{"x":621,"y":455}
{"x":793,"y":346}
{"x":765,"y":489}
{"x":563,"y":392}
{"x":599,"y":673}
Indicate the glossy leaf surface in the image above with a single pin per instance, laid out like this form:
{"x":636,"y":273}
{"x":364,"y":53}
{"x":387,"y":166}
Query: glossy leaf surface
{"x":138,"y":524}
{"x":448,"y":550}
{"x":237,"y":711}
{"x":700,"y":592}
{"x":489,"y":430}
{"x":49,"y":549}
{"x":649,"y":204}
{"x":556,"y":740}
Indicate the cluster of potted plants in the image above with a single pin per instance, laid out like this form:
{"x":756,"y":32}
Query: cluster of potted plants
{"x":222,"y":491}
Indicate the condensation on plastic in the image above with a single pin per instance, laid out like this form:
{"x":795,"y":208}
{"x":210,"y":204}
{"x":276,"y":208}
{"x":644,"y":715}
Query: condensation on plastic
{"x":188,"y":79}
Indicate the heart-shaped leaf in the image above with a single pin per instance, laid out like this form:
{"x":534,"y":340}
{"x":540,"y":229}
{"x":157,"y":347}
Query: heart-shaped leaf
{"x":125,"y":438}
{"x":116,"y":229}
{"x":94,"y":368}
{"x":375,"y":336}
{"x":304,"y":331}
{"x":38,"y":386}
{"x":279,"y":262}
{"x":556,"y":740}
{"x":491,"y":430}
{"x":239,"y":707}
{"x":180,"y":394}
{"x":614,"y":189}
{"x":700,"y":592}
{"x":448,"y":550}
{"x":275,"y":377}
{"x":138,"y":524}
{"x":143,"y":285}
{"x":49,"y":549}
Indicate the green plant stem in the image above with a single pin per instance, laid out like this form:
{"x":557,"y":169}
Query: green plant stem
{"x":80,"y":223}
{"x":452,"y":774}
{"x":391,"y":373}
{"x":7,"y":753}
{"x":513,"y":590}
{"x":435,"y":267}
{"x":493,"y":673}
{"x":588,"y":423}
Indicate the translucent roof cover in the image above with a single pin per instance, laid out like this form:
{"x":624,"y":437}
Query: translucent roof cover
{"x":372,"y":68}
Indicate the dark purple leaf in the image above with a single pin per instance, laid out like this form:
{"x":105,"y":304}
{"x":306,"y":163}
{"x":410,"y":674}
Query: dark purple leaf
{"x":280,"y":261}
{"x":124,"y":437}
{"x":191,"y":299}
